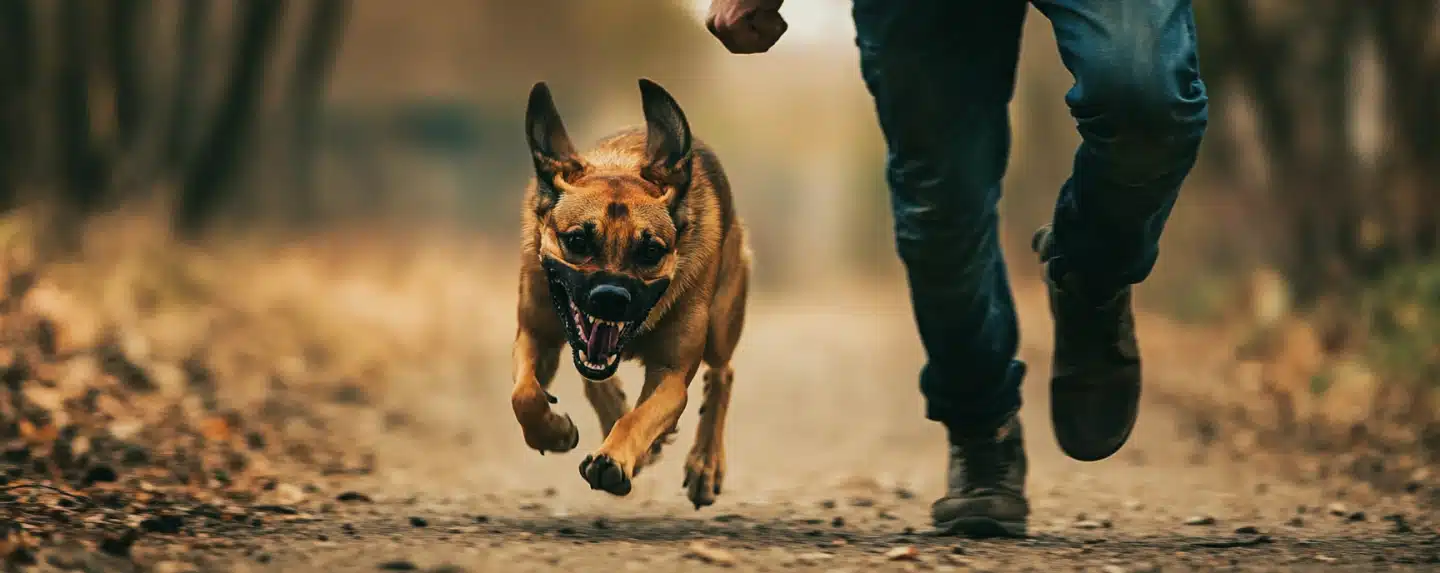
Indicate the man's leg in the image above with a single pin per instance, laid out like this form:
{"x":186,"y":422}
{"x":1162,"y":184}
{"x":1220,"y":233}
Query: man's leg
{"x":942,"y":73}
{"x":1141,"y":110}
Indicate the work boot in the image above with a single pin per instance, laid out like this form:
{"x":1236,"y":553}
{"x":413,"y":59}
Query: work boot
{"x":1095,"y":371}
{"x":986,"y":493}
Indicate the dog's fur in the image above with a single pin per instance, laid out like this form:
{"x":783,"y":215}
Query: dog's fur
{"x":648,"y":212}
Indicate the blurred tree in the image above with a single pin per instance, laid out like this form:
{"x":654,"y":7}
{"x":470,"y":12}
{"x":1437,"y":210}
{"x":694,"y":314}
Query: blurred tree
{"x":126,"y":28}
{"x":209,"y":178}
{"x":185,"y":86}
{"x":83,"y":167}
{"x":1343,"y":219}
{"x":319,"y":45}
{"x":1408,"y":37}
{"x":17,"y":79}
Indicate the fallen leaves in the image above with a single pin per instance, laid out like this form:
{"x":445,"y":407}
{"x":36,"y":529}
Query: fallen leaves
{"x":710,"y":554}
{"x":903,"y":553}
{"x":119,"y":545}
{"x":130,"y":409}
{"x":16,"y":546}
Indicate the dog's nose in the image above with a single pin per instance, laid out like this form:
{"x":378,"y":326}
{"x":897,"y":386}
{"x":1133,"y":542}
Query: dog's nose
{"x":609,"y":302}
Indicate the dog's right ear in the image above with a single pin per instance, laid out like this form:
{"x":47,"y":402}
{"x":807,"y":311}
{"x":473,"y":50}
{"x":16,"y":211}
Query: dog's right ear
{"x":550,"y":147}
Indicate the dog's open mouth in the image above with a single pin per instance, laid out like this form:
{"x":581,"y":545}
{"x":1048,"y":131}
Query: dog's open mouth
{"x":600,"y":340}
{"x":598,"y":344}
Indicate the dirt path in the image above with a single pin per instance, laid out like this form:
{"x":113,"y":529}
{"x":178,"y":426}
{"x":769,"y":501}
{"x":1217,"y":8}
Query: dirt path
{"x":831,"y":468}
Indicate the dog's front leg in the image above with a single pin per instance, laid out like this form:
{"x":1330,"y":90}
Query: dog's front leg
{"x":536,"y":361}
{"x":628,"y":446}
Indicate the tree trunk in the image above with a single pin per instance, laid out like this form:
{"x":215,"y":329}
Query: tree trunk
{"x":17,"y":79}
{"x":1401,"y":30}
{"x":186,"y":84}
{"x":209,"y":179}
{"x":125,"y":33}
{"x":83,"y":170}
{"x":318,"y":50}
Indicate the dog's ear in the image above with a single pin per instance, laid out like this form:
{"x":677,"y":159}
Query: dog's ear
{"x":550,"y":146}
{"x":667,"y":137}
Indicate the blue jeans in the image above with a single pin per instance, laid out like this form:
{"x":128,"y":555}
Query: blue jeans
{"x":942,"y":73}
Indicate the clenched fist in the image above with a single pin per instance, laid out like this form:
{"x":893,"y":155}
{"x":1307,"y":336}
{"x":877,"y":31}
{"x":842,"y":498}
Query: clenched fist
{"x":746,"y":26}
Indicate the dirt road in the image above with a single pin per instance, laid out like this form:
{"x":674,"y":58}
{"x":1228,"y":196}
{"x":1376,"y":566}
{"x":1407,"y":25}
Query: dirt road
{"x":831,"y":469}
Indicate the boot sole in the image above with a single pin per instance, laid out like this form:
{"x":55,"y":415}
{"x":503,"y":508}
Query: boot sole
{"x":1084,"y":451}
{"x":981,"y":527}
{"x":1078,"y":449}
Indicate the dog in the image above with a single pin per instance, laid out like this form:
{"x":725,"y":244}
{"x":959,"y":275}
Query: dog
{"x":631,"y":251}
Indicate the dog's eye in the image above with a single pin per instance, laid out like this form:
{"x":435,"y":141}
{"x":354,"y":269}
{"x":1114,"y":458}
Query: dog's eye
{"x":650,"y":253}
{"x":576,"y":243}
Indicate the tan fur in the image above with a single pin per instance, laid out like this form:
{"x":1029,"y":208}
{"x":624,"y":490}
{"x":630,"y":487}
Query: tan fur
{"x":698,"y":319}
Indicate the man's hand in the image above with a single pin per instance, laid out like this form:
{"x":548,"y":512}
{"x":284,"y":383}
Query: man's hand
{"x":746,"y":26}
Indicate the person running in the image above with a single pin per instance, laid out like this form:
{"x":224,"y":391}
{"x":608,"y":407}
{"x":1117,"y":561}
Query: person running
{"x":942,"y":73}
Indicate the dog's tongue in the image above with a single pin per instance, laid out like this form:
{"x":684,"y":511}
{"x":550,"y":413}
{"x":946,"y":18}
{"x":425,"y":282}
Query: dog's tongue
{"x":603,"y":338}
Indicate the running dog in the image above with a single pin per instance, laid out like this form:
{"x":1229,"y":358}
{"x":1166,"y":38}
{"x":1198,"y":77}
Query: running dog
{"x":631,"y":251}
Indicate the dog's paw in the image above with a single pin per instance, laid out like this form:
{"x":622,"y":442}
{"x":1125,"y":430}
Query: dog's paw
{"x":604,"y":473}
{"x":557,"y":433}
{"x":703,"y":476}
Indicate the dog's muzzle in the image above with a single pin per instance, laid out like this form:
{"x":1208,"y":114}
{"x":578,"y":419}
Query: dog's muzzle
{"x":605,"y":310}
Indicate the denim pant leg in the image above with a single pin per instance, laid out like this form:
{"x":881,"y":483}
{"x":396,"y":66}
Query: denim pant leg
{"x":941,"y":74}
{"x":1141,"y":110}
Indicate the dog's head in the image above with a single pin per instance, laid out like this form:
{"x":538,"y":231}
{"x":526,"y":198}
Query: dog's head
{"x":609,"y":223}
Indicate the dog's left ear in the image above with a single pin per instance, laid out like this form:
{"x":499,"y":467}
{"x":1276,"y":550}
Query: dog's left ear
{"x":667,"y":141}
